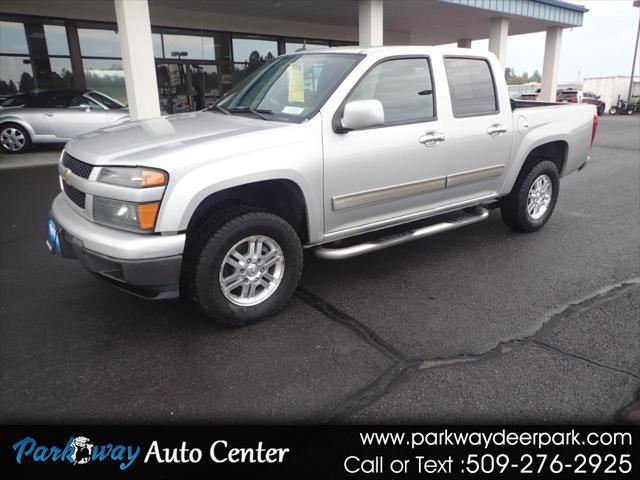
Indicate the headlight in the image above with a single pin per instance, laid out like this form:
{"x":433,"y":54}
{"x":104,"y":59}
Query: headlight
{"x":135,"y":217}
{"x":133,"y":177}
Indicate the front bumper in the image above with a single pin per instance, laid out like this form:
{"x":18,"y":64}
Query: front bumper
{"x":145,"y":265}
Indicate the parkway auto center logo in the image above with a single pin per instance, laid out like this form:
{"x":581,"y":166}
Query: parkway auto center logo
{"x":78,"y":450}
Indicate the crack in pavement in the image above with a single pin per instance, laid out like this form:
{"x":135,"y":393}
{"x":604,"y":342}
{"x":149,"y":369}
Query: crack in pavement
{"x":359,"y":328}
{"x":584,"y":359}
{"x":405,"y":365}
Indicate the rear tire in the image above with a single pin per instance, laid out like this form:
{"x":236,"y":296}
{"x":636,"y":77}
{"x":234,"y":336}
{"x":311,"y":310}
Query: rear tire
{"x":533,"y":198}
{"x":14,"y":138}
{"x":257,"y":251}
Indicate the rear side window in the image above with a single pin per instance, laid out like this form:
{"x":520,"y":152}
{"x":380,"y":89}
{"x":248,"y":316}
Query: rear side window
{"x":471,"y":86}
{"x":404,"y":88}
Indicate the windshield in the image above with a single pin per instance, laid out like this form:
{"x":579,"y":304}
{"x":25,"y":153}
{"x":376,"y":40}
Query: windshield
{"x":291,"y":88}
{"x":108,"y":102}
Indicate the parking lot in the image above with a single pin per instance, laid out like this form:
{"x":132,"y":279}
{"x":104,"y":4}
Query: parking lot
{"x":476,"y":325}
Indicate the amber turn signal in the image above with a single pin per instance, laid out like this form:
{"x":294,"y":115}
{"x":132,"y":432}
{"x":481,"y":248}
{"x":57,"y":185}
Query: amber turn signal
{"x":153,"y":178}
{"x":147,"y":214}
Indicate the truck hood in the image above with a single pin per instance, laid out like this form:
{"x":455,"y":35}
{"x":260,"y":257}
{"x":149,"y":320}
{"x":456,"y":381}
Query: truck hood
{"x":158,"y":135}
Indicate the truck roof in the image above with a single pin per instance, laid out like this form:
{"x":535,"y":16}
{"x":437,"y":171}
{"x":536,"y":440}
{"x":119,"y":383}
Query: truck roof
{"x":399,"y":50}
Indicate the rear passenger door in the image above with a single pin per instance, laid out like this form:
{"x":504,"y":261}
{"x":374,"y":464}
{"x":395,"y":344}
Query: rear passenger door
{"x":480,"y":138}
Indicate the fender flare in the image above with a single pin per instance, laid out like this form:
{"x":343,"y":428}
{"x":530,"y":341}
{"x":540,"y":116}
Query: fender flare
{"x":19,"y":121}
{"x":515,"y":167}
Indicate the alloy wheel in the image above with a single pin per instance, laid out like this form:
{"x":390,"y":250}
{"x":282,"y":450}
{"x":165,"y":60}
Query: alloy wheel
{"x":252,"y":270}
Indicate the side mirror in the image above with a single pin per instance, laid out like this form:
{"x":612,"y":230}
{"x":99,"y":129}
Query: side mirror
{"x":362,"y":114}
{"x":598,"y":97}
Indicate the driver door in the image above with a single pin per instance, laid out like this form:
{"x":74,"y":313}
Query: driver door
{"x":71,"y":115}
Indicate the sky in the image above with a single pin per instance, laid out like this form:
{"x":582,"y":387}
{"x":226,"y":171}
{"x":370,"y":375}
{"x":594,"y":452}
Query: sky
{"x":602,"y":47}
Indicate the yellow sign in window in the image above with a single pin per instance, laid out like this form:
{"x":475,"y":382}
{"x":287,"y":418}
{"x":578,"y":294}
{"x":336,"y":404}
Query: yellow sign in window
{"x":296,"y":82}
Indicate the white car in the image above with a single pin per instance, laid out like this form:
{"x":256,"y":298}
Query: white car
{"x":56,"y":117}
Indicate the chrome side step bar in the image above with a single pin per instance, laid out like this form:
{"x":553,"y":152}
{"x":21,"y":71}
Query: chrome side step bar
{"x":371,"y":246}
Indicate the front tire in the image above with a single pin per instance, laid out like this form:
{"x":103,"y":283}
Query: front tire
{"x":533,"y":198}
{"x":244,"y":267}
{"x":613,"y":111}
{"x":14,"y":138}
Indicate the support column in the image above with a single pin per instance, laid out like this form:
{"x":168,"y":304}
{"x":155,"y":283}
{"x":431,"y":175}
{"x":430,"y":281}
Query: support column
{"x":498,"y":36}
{"x":464,"y":43}
{"x":550,"y":66}
{"x":370,"y":23}
{"x":134,"y":32}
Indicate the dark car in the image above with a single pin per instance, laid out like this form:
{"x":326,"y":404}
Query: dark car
{"x":575,"y":96}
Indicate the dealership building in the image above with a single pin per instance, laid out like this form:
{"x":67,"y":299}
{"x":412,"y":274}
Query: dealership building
{"x":181,"y":55}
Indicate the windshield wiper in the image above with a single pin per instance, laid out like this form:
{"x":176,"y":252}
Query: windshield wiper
{"x":215,"y":106}
{"x":258,"y":112}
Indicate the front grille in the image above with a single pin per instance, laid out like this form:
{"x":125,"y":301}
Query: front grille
{"x":75,"y":195}
{"x":76,"y":166}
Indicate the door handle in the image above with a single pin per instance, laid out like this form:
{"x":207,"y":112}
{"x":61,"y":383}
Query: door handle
{"x":431,"y":139}
{"x":49,"y":114}
{"x":496,"y":130}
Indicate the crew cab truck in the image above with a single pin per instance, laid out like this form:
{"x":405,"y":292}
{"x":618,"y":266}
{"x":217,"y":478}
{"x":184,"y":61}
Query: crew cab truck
{"x":323,"y":149}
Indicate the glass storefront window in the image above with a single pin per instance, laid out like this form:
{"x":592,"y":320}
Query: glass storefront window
{"x":291,"y":47}
{"x":98,"y":43}
{"x":254,"y":50}
{"x":35,"y":55}
{"x":13,"y":38}
{"x":157,"y":45}
{"x":36,"y":70}
{"x":56,"y":36}
{"x":106,"y":76}
{"x":61,"y":73}
{"x":189,"y":47}
{"x":239,"y":71}
{"x":16,"y":75}
{"x":206,"y":85}
{"x":173,"y":87}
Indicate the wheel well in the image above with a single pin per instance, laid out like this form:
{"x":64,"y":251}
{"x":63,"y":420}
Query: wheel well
{"x":9,"y":122}
{"x":281,"y":197}
{"x":555,"y":152}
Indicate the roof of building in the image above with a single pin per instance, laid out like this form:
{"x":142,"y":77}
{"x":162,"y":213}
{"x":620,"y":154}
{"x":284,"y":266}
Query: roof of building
{"x":561,"y":4}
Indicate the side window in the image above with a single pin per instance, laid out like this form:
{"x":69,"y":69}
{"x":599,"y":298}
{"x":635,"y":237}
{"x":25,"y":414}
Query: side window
{"x":471,"y":86}
{"x":404,"y":88}
{"x":58,"y":101}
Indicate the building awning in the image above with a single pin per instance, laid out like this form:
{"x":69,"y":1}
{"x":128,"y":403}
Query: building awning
{"x":406,"y":21}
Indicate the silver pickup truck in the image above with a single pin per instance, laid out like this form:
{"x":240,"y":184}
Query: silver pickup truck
{"x":343,"y":151}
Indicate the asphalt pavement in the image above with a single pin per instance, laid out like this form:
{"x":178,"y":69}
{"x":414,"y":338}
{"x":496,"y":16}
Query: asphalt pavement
{"x":475,"y":325}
